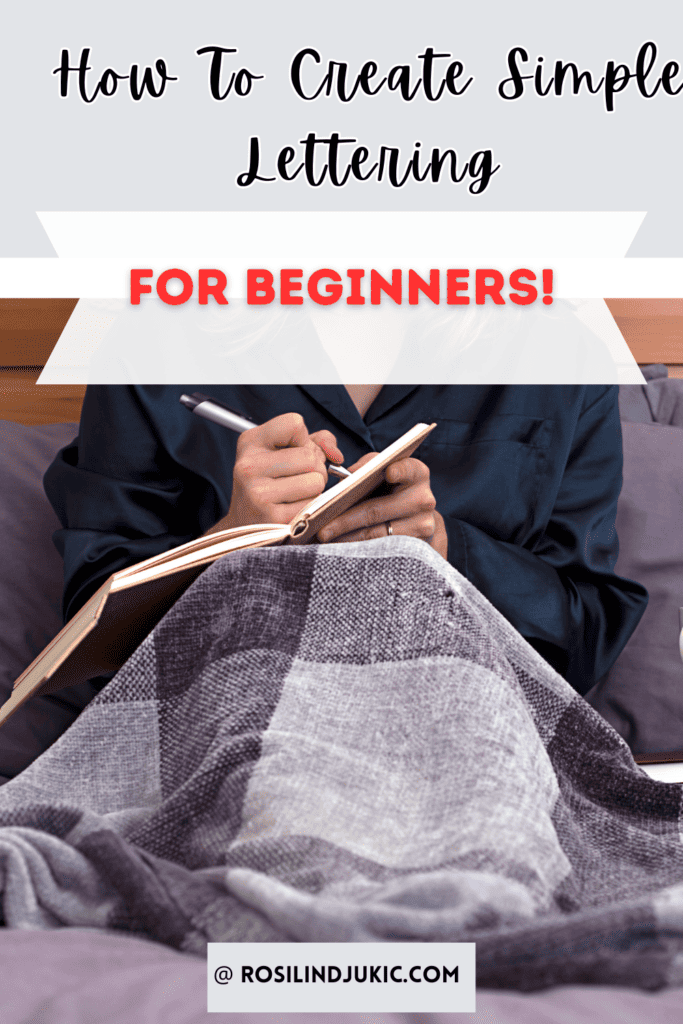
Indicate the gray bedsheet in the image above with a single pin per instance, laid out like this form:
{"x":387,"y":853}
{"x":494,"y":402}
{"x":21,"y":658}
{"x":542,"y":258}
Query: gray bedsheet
{"x":348,"y":743}
{"x":78,"y":976}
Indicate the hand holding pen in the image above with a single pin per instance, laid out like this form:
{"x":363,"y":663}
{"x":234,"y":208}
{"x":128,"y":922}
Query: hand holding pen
{"x":279,"y":468}
{"x":210,"y":409}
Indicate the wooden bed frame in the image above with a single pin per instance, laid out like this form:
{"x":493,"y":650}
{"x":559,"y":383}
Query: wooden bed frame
{"x":29,"y":329}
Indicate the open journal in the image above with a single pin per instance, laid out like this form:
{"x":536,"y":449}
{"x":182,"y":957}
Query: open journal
{"x":108,"y":628}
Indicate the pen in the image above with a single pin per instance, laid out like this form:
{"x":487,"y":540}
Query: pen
{"x":210,"y":409}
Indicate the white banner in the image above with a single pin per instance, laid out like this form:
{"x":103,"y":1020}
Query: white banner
{"x":97,"y":278}
{"x":114,"y":342}
{"x":407,"y":238}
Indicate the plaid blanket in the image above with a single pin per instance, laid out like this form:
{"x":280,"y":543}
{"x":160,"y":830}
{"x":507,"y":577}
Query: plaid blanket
{"x":348,"y":743}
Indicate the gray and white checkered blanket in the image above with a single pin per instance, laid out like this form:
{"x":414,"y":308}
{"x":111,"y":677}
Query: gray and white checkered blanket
{"x":348,"y":743}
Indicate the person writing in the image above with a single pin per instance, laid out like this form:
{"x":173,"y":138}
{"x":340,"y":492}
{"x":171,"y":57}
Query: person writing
{"x":279,"y":468}
{"x":517,"y":487}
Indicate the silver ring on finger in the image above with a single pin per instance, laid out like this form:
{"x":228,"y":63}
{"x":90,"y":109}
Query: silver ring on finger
{"x":389,"y":530}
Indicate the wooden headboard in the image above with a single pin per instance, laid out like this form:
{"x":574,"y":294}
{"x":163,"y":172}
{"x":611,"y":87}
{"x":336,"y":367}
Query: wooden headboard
{"x":29,"y":329}
{"x":653,"y":329}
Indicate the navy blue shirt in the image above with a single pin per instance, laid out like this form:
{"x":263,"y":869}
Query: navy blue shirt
{"x":526,"y":478}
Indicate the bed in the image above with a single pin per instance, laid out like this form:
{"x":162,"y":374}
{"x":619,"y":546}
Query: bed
{"x":79,"y":974}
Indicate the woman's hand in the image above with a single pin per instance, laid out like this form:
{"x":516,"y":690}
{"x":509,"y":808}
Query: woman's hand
{"x":279,"y":468}
{"x":410,"y":509}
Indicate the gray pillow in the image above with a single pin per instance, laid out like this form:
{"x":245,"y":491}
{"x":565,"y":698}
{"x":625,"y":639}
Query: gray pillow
{"x":642,"y":696}
{"x":30,"y":585}
{"x":658,"y":401}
